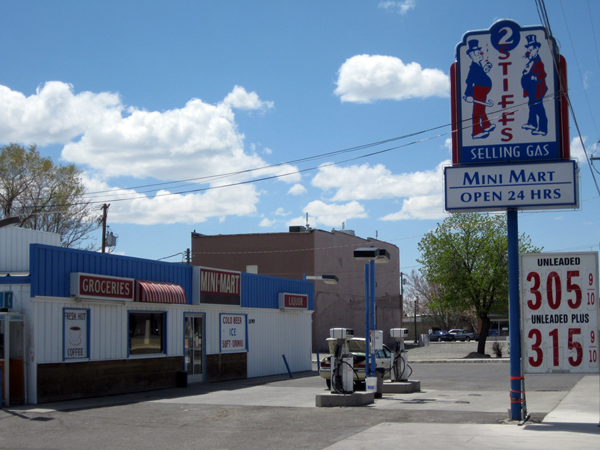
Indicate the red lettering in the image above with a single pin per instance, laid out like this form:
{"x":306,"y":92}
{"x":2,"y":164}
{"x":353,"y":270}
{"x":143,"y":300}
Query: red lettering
{"x":507,"y":134}
{"x":505,"y":66}
{"x":504,"y":52}
{"x":505,"y":100}
{"x":505,"y":119}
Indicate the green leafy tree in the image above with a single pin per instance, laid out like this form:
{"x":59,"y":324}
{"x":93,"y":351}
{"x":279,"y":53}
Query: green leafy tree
{"x":45,"y":196}
{"x":467,"y":256}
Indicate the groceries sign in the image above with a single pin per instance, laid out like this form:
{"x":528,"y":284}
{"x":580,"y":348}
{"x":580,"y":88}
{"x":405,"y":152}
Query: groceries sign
{"x":100,"y":287}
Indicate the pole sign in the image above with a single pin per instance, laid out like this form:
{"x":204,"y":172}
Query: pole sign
{"x":506,"y":97}
{"x":516,"y":186}
{"x":559,"y":312}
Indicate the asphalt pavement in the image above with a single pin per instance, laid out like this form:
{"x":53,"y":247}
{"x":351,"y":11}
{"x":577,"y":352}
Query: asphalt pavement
{"x":463,"y":403}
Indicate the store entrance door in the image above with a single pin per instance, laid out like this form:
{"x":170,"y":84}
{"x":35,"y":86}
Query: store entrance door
{"x":12,"y":375}
{"x":194,"y":349}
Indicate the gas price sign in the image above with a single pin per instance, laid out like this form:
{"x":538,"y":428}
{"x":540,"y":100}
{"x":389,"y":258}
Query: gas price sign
{"x":559,"y":312}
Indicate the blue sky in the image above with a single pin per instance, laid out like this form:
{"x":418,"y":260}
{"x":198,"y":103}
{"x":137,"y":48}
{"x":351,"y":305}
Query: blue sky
{"x":143,"y":95}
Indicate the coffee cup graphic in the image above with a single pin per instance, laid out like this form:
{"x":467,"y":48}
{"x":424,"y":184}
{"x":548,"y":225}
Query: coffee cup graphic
{"x":75,"y":335}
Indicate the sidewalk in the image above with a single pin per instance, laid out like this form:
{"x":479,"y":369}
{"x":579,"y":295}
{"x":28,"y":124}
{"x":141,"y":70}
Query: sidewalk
{"x":437,"y":352}
{"x":572,"y":424}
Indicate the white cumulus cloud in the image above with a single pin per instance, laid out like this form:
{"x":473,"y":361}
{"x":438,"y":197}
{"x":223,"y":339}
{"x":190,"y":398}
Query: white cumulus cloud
{"x":366,"y":182}
{"x":330,"y":214}
{"x":297,"y":189}
{"x":402,"y":7}
{"x":165,"y":207}
{"x":420,"y":207}
{"x":366,"y":78}
{"x":577,"y":151}
{"x":199,"y":141}
{"x":422,"y":191}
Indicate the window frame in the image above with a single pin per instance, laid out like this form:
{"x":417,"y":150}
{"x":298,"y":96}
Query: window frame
{"x":163,"y":337}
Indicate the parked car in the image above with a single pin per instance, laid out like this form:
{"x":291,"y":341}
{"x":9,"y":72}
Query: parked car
{"x":356,"y":347}
{"x":462,"y":335}
{"x":441,"y":335}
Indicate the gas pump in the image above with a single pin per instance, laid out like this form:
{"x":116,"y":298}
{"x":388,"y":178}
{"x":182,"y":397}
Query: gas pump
{"x":342,"y":363}
{"x":399,"y":370}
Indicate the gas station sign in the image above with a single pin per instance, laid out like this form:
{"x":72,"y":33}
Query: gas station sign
{"x":494,"y":187}
{"x":559,"y":312}
{"x":507,"y":97}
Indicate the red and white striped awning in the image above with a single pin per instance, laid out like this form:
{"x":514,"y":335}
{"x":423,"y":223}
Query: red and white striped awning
{"x":157,"y":292}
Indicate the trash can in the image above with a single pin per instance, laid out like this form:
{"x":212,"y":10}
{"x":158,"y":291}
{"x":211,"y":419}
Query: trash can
{"x":181,"y":378}
{"x":379,"y":392}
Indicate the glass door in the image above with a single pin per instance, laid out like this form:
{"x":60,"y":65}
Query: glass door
{"x":194,"y":350}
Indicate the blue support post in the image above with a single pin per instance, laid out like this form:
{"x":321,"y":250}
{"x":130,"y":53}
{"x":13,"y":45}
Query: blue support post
{"x":367,"y":362}
{"x":514,"y":309}
{"x":373,"y":325}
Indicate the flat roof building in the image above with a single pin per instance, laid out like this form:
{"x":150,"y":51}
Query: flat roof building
{"x":311,"y":252}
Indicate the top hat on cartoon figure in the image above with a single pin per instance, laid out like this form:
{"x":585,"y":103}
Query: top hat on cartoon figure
{"x":473,"y":46}
{"x":532,"y":41}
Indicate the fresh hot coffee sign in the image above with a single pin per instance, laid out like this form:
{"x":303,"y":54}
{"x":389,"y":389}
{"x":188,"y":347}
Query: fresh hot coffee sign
{"x":75,"y":333}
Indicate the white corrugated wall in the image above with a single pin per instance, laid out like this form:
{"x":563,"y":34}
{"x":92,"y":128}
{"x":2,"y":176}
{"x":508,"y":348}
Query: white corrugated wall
{"x":276,"y":333}
{"x":14,"y":242}
{"x":271,"y":333}
{"x":108,"y":328}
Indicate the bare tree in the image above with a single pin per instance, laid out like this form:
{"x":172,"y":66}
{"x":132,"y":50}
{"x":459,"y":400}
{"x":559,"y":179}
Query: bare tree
{"x":426,"y":296}
{"x":45,"y":196}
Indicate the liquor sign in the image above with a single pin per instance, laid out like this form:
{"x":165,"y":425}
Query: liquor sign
{"x":76,"y":333}
{"x":220,"y":287}
{"x":102,"y":287}
{"x":550,"y":185}
{"x":506,"y":96}
{"x":559,"y":312}
{"x":293,"y":301}
{"x":234,"y":335}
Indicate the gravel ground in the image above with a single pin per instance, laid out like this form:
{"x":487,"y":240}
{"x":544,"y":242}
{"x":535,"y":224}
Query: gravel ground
{"x":451,"y":350}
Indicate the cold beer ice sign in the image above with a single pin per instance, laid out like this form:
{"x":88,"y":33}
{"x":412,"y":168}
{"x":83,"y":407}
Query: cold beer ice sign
{"x":559,"y":312}
{"x":233,"y":333}
{"x":550,"y":185}
{"x":506,"y":97}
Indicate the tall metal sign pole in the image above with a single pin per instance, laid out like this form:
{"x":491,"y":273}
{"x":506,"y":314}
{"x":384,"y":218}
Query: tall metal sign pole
{"x":510,"y":141}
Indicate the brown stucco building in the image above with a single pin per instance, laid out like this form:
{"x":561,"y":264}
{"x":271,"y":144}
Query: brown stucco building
{"x":314,"y":252}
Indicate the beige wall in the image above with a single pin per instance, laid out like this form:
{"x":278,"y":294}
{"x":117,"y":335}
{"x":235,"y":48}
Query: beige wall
{"x":286,"y":255}
{"x":318,"y":252}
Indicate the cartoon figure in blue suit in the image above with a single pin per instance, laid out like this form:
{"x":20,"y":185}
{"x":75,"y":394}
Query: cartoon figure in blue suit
{"x":534,"y":86}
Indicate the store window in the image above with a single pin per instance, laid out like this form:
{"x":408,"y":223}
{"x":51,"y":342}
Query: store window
{"x":146,"y":333}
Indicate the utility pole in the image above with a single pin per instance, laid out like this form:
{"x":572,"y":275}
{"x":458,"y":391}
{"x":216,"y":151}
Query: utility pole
{"x":104,"y":214}
{"x":416,"y":306}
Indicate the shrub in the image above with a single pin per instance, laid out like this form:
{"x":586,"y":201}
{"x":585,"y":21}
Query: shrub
{"x":497,"y":349}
